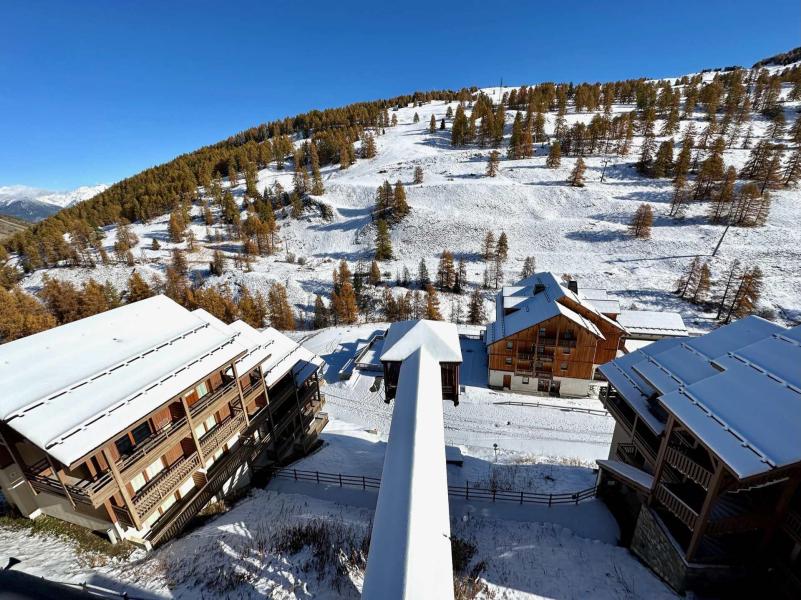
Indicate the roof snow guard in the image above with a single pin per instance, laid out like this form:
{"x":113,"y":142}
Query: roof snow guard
{"x":72,"y":388}
{"x":738,"y":389}
{"x":410,"y":549}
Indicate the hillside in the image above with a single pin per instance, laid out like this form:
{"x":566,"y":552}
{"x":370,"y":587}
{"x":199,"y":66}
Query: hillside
{"x":34,"y":204}
{"x":582,"y":231}
{"x":10,"y":225}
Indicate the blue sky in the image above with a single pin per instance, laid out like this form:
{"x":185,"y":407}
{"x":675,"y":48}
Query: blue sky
{"x":93,"y":91}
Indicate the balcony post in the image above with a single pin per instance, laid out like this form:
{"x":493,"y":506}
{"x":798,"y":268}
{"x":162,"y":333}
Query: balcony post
{"x":782,"y":506}
{"x":192,"y":429}
{"x":15,"y":456}
{"x":703,"y":516}
{"x":239,"y":389}
{"x":270,"y":420}
{"x":126,"y":497}
{"x":59,"y":475}
{"x":660,"y":457}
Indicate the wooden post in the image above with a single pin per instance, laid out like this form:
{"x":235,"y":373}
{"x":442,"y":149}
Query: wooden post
{"x":703,"y":516}
{"x":192,"y":431}
{"x":60,"y":477}
{"x":780,"y":511}
{"x":126,"y":497}
{"x":15,"y":456}
{"x":239,"y":388}
{"x":660,"y":457}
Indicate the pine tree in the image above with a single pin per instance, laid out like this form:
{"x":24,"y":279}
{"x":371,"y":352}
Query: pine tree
{"x":488,"y":248}
{"x":459,"y":129}
{"x":475,"y":311}
{"x":446,"y":274}
{"x":493,"y":163}
{"x":663,"y":163}
{"x":400,"y":208}
{"x":383,"y":242}
{"x":529,"y":267}
{"x":577,"y":175}
{"x":418,"y":175}
{"x":640,"y":225}
{"x":554,"y":155}
{"x":416,"y":118}
{"x":321,"y":316}
{"x":155,"y":245}
{"x":423,"y":277}
{"x":502,"y":248}
{"x":253,"y":308}
{"x":432,"y":125}
{"x":432,"y":304}
{"x":368,"y":146}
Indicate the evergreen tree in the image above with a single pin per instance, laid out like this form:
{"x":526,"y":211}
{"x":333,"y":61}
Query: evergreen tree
{"x":22,"y":315}
{"x":375,"y":274}
{"x":702,"y":284}
{"x":418,"y":174}
{"x":529,"y":267}
{"x":459,"y":129}
{"x":493,"y":163}
{"x":689,"y":281}
{"x":416,"y":118}
{"x":383,"y":242}
{"x":554,"y":155}
{"x":640,"y":225}
{"x":663,"y":163}
{"x":217,"y":264}
{"x":321,"y":317}
{"x":792,"y":170}
{"x":475,"y":311}
{"x":502,"y":248}
{"x":422,"y":274}
{"x":488,"y":248}
{"x":400,"y":208}
{"x":432,"y":125}
{"x":577,"y":175}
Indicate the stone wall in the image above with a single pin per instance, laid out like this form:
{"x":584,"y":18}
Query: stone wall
{"x":657,"y":549}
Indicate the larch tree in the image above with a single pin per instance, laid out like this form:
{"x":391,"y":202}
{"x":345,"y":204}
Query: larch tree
{"x":432,"y":124}
{"x":663,"y":163}
{"x":459,"y":129}
{"x":321,"y":316}
{"x":400,"y":208}
{"x":679,"y":198}
{"x":488,"y":247}
{"x":418,"y":175}
{"x":493,"y":163}
{"x":640,"y":225}
{"x":475,"y":310}
{"x":138,"y":288}
{"x":21,"y":315}
{"x":701,"y":288}
{"x":792,"y":170}
{"x":375,"y":273}
{"x":577,"y":175}
{"x":432,"y":312}
{"x":529,"y":267}
{"x":281,"y":316}
{"x":423,"y":277}
{"x":729,"y":284}
{"x":502,"y":248}
{"x":554,"y":155}
{"x":689,"y":280}
{"x":722,"y":199}
{"x":746,"y":296}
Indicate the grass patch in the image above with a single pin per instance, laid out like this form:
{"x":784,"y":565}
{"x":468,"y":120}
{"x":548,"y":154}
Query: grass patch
{"x":87,"y":542}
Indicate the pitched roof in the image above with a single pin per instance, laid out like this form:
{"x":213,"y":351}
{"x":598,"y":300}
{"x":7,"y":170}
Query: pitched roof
{"x":441,"y":340}
{"x":737,"y":388}
{"x":72,"y":388}
{"x":652,"y":322}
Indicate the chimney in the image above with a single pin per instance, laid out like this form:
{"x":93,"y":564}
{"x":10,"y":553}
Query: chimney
{"x":573,"y":286}
{"x":539,"y":287}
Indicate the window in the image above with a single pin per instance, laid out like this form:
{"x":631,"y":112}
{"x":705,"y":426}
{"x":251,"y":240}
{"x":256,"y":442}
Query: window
{"x":202,"y":390}
{"x":563,"y":366}
{"x":508,"y":360}
{"x":124,"y":445}
{"x":155,"y":468}
{"x":141,"y":433}
{"x":168,"y":502}
{"x":210,"y":422}
{"x":566,"y":350}
{"x":138,"y":482}
{"x":525,"y":380}
{"x":509,"y":345}
{"x":542,"y":330}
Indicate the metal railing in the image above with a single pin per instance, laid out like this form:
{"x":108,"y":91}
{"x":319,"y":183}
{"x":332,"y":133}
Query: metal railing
{"x":688,"y":467}
{"x":458,"y":491}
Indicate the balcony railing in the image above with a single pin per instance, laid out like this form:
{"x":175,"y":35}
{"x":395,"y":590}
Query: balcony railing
{"x":280,"y":396}
{"x":150,"y":496}
{"x":688,"y":467}
{"x":209,"y":401}
{"x":93,"y":493}
{"x":155,"y":445}
{"x":644,"y":447}
{"x":792,"y":525}
{"x":680,"y":509}
{"x":221,"y":434}
{"x":318,"y":423}
{"x":612,"y":403}
{"x":627,"y":453}
{"x":252,"y":390}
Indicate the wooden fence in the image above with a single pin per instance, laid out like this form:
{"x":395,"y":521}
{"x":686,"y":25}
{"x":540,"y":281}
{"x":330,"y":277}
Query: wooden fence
{"x":465,"y":491}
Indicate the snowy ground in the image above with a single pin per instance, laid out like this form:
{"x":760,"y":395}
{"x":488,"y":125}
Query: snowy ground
{"x":581,"y":231}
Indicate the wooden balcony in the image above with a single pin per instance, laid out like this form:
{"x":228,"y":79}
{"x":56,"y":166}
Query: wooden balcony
{"x":318,"y":423}
{"x":214,"y":400}
{"x":644,"y":447}
{"x":792,"y":525}
{"x":279,"y":397}
{"x":166,"y":482}
{"x":156,"y":445}
{"x":567,"y":343}
{"x":92,"y":493}
{"x":688,"y":467}
{"x":627,"y":453}
{"x":546,"y":341}
{"x":613,"y":405}
{"x":680,"y":509}
{"x":215,"y":438}
{"x":252,"y":391}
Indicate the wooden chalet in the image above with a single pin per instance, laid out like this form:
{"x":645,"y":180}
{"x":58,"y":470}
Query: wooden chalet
{"x":442,"y":341}
{"x":704,"y":471}
{"x":131,"y":421}
{"x":547,"y":338}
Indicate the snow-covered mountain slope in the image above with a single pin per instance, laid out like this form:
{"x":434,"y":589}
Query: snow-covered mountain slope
{"x":34,"y":204}
{"x":581,"y":231}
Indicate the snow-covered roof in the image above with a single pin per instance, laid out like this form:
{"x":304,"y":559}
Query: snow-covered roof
{"x":536,"y":299}
{"x":441,"y":339}
{"x":652,"y":323}
{"x":737,"y":388}
{"x":71,"y":388}
{"x":410,"y":548}
{"x":286,"y":355}
{"x":609,"y":306}
{"x":627,"y":471}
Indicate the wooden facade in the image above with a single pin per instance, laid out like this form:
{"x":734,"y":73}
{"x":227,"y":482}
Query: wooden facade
{"x":713,"y":516}
{"x":152,"y":476}
{"x":449,"y":373}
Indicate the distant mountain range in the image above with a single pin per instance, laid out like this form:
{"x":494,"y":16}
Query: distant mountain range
{"x":34,"y":204}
